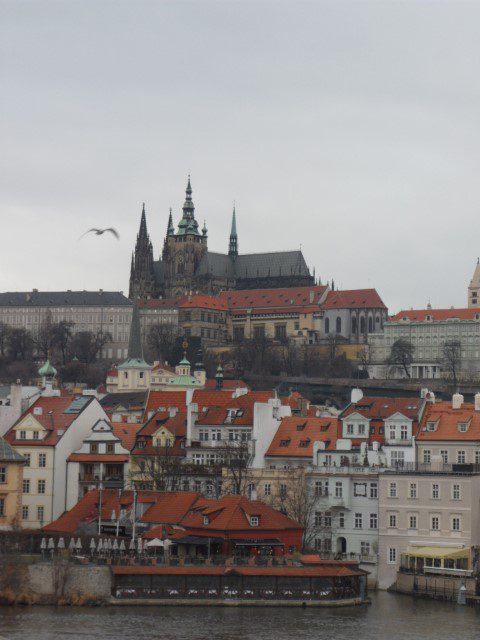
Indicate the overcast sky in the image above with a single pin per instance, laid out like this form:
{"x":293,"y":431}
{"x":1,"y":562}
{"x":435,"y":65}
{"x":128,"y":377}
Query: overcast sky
{"x":349,"y":128}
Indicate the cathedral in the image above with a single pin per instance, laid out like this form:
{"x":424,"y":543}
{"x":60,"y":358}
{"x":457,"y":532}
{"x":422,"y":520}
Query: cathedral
{"x":187,"y":265}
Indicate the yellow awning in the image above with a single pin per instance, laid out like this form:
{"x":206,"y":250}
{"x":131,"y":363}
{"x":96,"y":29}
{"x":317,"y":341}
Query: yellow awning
{"x":437,"y":552}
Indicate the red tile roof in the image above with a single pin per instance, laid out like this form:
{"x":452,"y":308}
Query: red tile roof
{"x":126,"y":432}
{"x":447,"y":420}
{"x":165,"y":399}
{"x":228,"y":517}
{"x":353,"y":299}
{"x":420,"y":315}
{"x":295,"y":436}
{"x":202,"y":301}
{"x":379,"y":408}
{"x":288,"y":297}
{"x":54,"y":418}
{"x":228,"y":385}
{"x":168,"y":303}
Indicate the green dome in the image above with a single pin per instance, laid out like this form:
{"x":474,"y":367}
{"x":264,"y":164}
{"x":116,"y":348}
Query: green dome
{"x":47,"y":370}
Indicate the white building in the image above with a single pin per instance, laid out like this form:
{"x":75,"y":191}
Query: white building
{"x":46,"y":434}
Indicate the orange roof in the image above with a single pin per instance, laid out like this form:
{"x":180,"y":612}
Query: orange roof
{"x":171,"y":507}
{"x":97,"y":457}
{"x":282,"y":298}
{"x":202,"y":301}
{"x":446,"y":421}
{"x":228,"y":385}
{"x":218,"y":415}
{"x":353,"y":299}
{"x":126,"y":432}
{"x":420,"y":315}
{"x":165,"y":399}
{"x":379,"y":408}
{"x":57,"y":414}
{"x":295,"y":436}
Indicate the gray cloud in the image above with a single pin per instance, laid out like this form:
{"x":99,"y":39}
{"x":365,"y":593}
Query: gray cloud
{"x":350,"y":128}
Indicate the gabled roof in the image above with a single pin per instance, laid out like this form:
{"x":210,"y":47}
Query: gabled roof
{"x":380,"y":408}
{"x":447,"y":420}
{"x":295,"y":436}
{"x":129,"y":400}
{"x":353,"y":299}
{"x":438,"y":315}
{"x":127,"y":433}
{"x":57,"y":414}
{"x":171,"y":507}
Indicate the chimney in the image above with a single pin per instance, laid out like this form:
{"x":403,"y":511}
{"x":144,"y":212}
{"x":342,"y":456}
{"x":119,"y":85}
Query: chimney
{"x":172,"y":411}
{"x":312,"y":297}
{"x":477,"y":402}
{"x":356,"y":395}
{"x":457,"y":401}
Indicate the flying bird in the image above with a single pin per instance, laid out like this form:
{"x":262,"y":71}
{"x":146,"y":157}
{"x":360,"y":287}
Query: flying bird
{"x":100,"y":232}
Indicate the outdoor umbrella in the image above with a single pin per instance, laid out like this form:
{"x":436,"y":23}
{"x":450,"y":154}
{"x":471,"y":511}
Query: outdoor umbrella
{"x":139,"y":545}
{"x":156,"y":542}
{"x":78,"y":546}
{"x":51,"y":543}
{"x":115,"y":545}
{"x":100,"y":545}
{"x":71,"y":544}
{"x":131,"y":546}
{"x":93,"y":544}
{"x":43,"y":544}
{"x":61,"y":543}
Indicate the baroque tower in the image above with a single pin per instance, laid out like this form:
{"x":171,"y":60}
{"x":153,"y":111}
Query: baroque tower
{"x":142,"y":276}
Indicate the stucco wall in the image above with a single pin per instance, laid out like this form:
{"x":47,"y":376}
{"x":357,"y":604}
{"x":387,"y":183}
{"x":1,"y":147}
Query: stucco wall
{"x":79,"y":579}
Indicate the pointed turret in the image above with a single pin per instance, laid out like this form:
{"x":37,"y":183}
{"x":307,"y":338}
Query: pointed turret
{"x":188,"y":224}
{"x":171,"y":228}
{"x":143,"y":233}
{"x":474,"y":288}
{"x":142,"y":276}
{"x":233,"y":244}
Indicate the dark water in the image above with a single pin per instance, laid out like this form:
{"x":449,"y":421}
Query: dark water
{"x":389,"y":617}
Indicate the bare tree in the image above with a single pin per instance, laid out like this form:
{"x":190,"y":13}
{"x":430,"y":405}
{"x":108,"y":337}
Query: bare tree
{"x":62,"y":337}
{"x":20,"y":344}
{"x":161,"y":469}
{"x":86,"y":345}
{"x":236,"y":460}
{"x":161,"y":340}
{"x":43,"y":337}
{"x":452,"y":357}
{"x":4,"y":334}
{"x":401,"y":355}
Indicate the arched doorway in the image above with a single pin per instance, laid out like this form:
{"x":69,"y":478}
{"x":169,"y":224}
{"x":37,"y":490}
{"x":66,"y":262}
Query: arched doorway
{"x":341,"y":545}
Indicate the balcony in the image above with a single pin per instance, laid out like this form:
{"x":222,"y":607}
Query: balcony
{"x":399,"y":442}
{"x":436,"y":468}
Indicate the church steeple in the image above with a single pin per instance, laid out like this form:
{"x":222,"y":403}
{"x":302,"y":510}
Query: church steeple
{"x":142,"y":277}
{"x":233,"y":244}
{"x":188,"y":224}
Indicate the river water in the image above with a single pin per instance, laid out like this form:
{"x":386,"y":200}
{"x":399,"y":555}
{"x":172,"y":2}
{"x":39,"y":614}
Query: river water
{"x":390,"y":616}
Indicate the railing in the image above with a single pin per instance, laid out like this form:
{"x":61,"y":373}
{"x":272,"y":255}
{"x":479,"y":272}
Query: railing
{"x":435,"y":468}
{"x":449,"y":572}
{"x":398,"y":441}
{"x":235,"y":593}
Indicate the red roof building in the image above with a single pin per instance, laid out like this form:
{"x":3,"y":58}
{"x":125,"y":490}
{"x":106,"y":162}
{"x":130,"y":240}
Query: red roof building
{"x":296,"y":436}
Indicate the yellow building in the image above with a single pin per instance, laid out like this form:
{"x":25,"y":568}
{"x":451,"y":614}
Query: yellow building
{"x":11,"y":479}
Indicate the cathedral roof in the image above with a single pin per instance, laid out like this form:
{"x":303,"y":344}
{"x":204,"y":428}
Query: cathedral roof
{"x":253,"y":265}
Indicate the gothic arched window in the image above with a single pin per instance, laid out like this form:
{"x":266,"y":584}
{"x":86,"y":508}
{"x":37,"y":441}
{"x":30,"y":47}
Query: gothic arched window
{"x":370,"y":324}
{"x":354,"y":324}
{"x":362,"y":324}
{"x":338,"y":325}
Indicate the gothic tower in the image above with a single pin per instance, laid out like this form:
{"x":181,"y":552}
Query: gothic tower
{"x":183,"y":250}
{"x":233,"y":244}
{"x":142,"y":277}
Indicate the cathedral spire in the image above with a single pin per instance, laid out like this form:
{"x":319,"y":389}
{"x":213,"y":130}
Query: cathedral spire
{"x":143,"y":223}
{"x":170,"y":228}
{"x":233,"y":244}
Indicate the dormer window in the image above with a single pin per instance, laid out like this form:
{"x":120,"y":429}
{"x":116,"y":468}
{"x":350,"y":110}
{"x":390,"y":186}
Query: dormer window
{"x":431,"y":426}
{"x":254,"y":521}
{"x":304,"y":443}
{"x":23,"y":435}
{"x":93,"y":447}
{"x":141,"y":444}
{"x":206,"y":520}
{"x":35,"y":435}
{"x":301,"y":427}
{"x":463,"y":427}
{"x":284,"y":443}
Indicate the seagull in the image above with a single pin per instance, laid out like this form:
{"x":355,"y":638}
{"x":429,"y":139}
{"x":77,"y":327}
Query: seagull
{"x":100,"y":232}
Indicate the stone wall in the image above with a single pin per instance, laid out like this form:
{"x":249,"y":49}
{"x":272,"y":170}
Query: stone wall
{"x":65,"y":580}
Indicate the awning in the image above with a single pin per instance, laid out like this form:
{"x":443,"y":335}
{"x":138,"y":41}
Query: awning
{"x":258,"y":543}
{"x":155,"y":543}
{"x":437,"y":552}
{"x":196,"y":540}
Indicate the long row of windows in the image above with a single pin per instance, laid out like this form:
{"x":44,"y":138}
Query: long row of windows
{"x":435,"y":521}
{"x":435,"y":493}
